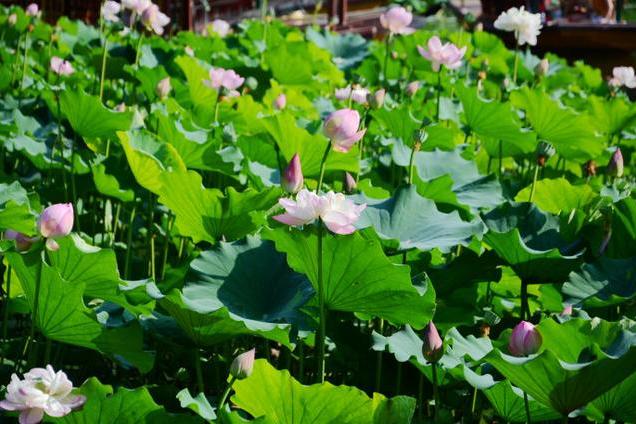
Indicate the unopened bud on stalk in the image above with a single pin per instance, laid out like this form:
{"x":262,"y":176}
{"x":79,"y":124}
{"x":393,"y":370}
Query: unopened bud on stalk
{"x":350,"y":183}
{"x":293,"y":176}
{"x":280,"y":102}
{"x":243,"y":365}
{"x":412,"y":88}
{"x":394,"y":55}
{"x":433,"y":348}
{"x":376,"y":100}
{"x":615,"y":165}
{"x":525,"y":340}
{"x":542,"y":68}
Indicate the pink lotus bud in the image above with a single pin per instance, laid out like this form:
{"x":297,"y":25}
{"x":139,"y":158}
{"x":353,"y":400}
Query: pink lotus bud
{"x":293,"y":176}
{"x":12,"y":19}
{"x":440,"y":54}
{"x":615,"y":165}
{"x":412,"y":88}
{"x":433,"y":348}
{"x":397,"y":20}
{"x":280,"y":102}
{"x":22,"y":242}
{"x":567,"y":311}
{"x":350,"y":183}
{"x":542,"y":68}
{"x":154,"y":20}
{"x":33,"y":10}
{"x":376,"y":100}
{"x":525,"y":340}
{"x":56,"y":220}
{"x":121,"y":107}
{"x":341,"y":127}
{"x":163,"y":88}
{"x":243,"y":365}
{"x":61,"y":66}
{"x":136,"y":6}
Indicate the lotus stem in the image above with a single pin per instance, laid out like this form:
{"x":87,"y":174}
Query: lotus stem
{"x":129,"y":242}
{"x":138,"y":52}
{"x":386,"y":60}
{"x":415,"y":149}
{"x":36,"y":302}
{"x":166,"y":246}
{"x":527,"y":406}
{"x":226,"y":393}
{"x":198,"y":370}
{"x":534,"y":181}
{"x":378,"y":360}
{"x":322,"y":167}
{"x":525,"y":310}
{"x":322,"y":325}
{"x":420,"y":398}
{"x":439,"y":93}
{"x":103,"y":73}
{"x":25,"y":59}
{"x":301,"y":361}
{"x":153,"y":274}
{"x":5,"y":317}
{"x":435,"y":392}
{"x":516,"y":66}
{"x":500,"y":158}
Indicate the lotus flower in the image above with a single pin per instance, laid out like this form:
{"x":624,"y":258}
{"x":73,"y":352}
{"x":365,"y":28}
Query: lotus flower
{"x":341,"y":127}
{"x":442,"y":54}
{"x":433,"y":348}
{"x":293,"y":176}
{"x":339,"y":213}
{"x":22,"y":241}
{"x":220,"y":27}
{"x":525,"y":25}
{"x":154,"y":19}
{"x":567,"y":311}
{"x":304,"y":210}
{"x":110,"y":9}
{"x":623,"y":76}
{"x":280,"y":102}
{"x":525,"y":340}
{"x":356,"y":94}
{"x":56,"y":221}
{"x":12,"y":19}
{"x":225,"y":78}
{"x":243,"y":365}
{"x":412,"y":88}
{"x":136,"y":6}
{"x":376,"y":100}
{"x":33,"y":10}
{"x":615,"y":166}
{"x":41,"y":391}
{"x":163,"y":88}
{"x":542,"y":68}
{"x":61,"y":66}
{"x":397,"y":20}
{"x":350,"y":183}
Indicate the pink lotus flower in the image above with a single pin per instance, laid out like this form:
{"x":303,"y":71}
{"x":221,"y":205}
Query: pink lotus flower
{"x":412,"y":88}
{"x":350,"y":183}
{"x":397,"y":20}
{"x":154,"y":19}
{"x":163,"y":88}
{"x":341,"y":127}
{"x":136,"y":6}
{"x":61,"y":66}
{"x":433,"y":348}
{"x":109,"y":11}
{"x":357,"y":94}
{"x":56,"y":221}
{"x":243,"y":365}
{"x":225,"y":78}
{"x":280,"y":102}
{"x":567,"y":311}
{"x":22,"y":242}
{"x":302,"y":211}
{"x":615,"y":167}
{"x":293,"y":176}
{"x":442,"y":54}
{"x":623,"y":76}
{"x":42,"y":391}
{"x":525,"y":340}
{"x":33,"y":10}
{"x":220,"y":27}
{"x":376,"y":100}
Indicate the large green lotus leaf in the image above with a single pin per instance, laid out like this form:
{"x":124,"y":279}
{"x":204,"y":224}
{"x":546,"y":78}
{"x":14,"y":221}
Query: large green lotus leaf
{"x":88,"y":116}
{"x":15,"y":209}
{"x":529,"y":241}
{"x":611,"y":116}
{"x":617,"y":403}
{"x":492,"y":119}
{"x":278,"y":396}
{"x":347,"y":49}
{"x":508,"y":403}
{"x":623,"y":239}
{"x":358,"y":277}
{"x":415,"y":222}
{"x":292,"y":139}
{"x":200,"y":98}
{"x":491,"y":49}
{"x":572,"y":134}
{"x":79,"y":263}
{"x":107,"y":406}
{"x":602,"y":283}
{"x":108,"y":185}
{"x":558,"y":195}
{"x":63,"y":317}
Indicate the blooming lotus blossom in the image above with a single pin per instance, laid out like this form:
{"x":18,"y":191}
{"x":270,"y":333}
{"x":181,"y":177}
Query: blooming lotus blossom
{"x":623,"y":76}
{"x":163,"y":88}
{"x":525,"y":339}
{"x":615,"y":167}
{"x":525,"y":25}
{"x":22,"y":241}
{"x":293,"y":176}
{"x":154,"y":19}
{"x":136,"y":6}
{"x":41,"y":391}
{"x":280,"y":102}
{"x":220,"y":27}
{"x":341,"y":127}
{"x":224,"y":78}
{"x":61,"y":67}
{"x":33,"y":10}
{"x":357,"y":94}
{"x":110,"y":9}
{"x":56,"y":221}
{"x":337,"y":212}
{"x":440,"y":54}
{"x":397,"y":20}
{"x":243,"y":365}
{"x":433,"y":348}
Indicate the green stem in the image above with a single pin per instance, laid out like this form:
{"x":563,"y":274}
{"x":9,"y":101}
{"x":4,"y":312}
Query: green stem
{"x":166,"y":246}
{"x":439,"y":92}
{"x":474,"y":403}
{"x":320,"y":345}
{"x":301,"y":361}
{"x":226,"y":393}
{"x":435,"y":392}
{"x":36,"y":302}
{"x":138,"y":53}
{"x":25,"y":60}
{"x":534,"y":181}
{"x":525,"y":313}
{"x":322,"y":167}
{"x":412,"y":160}
{"x":527,"y":406}
{"x":198,"y":370}
{"x":216,"y":105}
{"x":7,"y":298}
{"x":386,"y":60}
{"x":152,"y":258}
{"x":378,"y":360}
{"x":103,"y":73}
{"x":516,"y":68}
{"x":500,"y":158}
{"x":129,"y":242}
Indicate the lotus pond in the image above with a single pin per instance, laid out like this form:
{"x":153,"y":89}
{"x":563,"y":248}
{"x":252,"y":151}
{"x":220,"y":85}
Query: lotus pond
{"x":269,"y":224}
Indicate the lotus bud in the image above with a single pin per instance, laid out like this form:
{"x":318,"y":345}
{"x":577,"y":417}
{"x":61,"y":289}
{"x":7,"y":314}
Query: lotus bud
{"x":376,"y":100}
{"x":350,"y":183}
{"x":525,"y":340}
{"x":341,"y":127}
{"x":32,"y":10}
{"x":120,"y":107}
{"x":280,"y":102}
{"x":56,"y":220}
{"x":293,"y":176}
{"x":243,"y":365}
{"x":615,"y":165}
{"x":479,"y":27}
{"x":507,"y":83}
{"x":590,"y":168}
{"x":394,"y":55}
{"x":163,"y":88}
{"x":482,"y":75}
{"x":412,"y":88}
{"x":189,"y":51}
{"x":12,"y":19}
{"x":567,"y":311}
{"x":433,"y":348}
{"x":542,"y":68}
{"x":545,"y":151}
{"x":22,"y":242}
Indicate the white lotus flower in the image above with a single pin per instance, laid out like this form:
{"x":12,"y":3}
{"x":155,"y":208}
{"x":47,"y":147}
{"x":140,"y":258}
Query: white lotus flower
{"x":525,"y":25}
{"x":623,"y":76}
